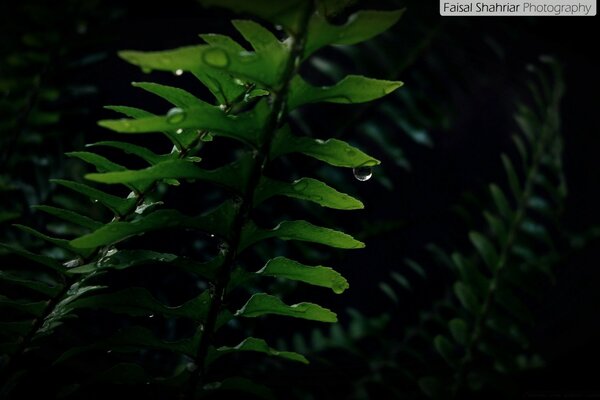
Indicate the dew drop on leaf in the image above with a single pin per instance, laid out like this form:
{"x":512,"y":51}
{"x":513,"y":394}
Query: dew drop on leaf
{"x":300,"y":185}
{"x":179,"y":131}
{"x":362,"y":173}
{"x":175,"y":115}
{"x":178,"y":72}
{"x":151,"y":316}
{"x":216,"y":58}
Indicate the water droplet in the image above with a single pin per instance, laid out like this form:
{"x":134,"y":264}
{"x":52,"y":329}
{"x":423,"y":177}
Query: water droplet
{"x":147,"y":382}
{"x":179,"y":72}
{"x":110,"y":252}
{"x":176,"y":115}
{"x":212,"y":235}
{"x":151,"y":316}
{"x":222,"y":107}
{"x":300,"y":185}
{"x":94,"y":200}
{"x":362,"y":173}
{"x":216,"y":58}
{"x":108,"y":351}
{"x":179,"y":131}
{"x":339,"y":285}
{"x":278,"y":27}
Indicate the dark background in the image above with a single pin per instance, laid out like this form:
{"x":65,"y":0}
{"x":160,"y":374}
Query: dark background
{"x":474,"y":68}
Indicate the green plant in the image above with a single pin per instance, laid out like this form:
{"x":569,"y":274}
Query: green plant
{"x":254,"y":91}
{"x":475,"y":339}
{"x":481,"y":327}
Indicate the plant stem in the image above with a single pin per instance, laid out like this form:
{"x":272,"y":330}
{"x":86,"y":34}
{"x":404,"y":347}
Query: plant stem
{"x":516,"y":222}
{"x":276,"y":116}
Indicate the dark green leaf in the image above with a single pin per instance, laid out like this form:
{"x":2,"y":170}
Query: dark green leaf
{"x":299,"y":230}
{"x":40,"y":287}
{"x":188,"y":59}
{"x":102,"y":164}
{"x":486,"y":250}
{"x":498,"y":227}
{"x":262,"y":304}
{"x":243,"y":127}
{"x":176,"y":96}
{"x":352,"y":89}
{"x":500,"y":201}
{"x":116,"y":204}
{"x":331,"y":151}
{"x":513,"y":179}
{"x":142,"y":152}
{"x":388,"y":291}
{"x":70,"y":216}
{"x":459,"y":330}
{"x":230,"y":176}
{"x":282,"y":267}
{"x":62,"y":243}
{"x":132,"y":339}
{"x":306,"y":189}
{"x":39,"y":259}
{"x":217,"y":221}
{"x":124,"y":259}
{"x":360,"y":27}
{"x":139,"y":302}
{"x":445,"y":348}
{"x":467,"y":298}
{"x":257,"y":345}
{"x":34,"y":308}
{"x":470,"y":274}
{"x":136,"y":113}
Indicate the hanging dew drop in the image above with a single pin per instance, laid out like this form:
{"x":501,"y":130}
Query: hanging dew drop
{"x":176,"y":115}
{"x":179,"y":72}
{"x":362,"y":173}
{"x":179,"y":131}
